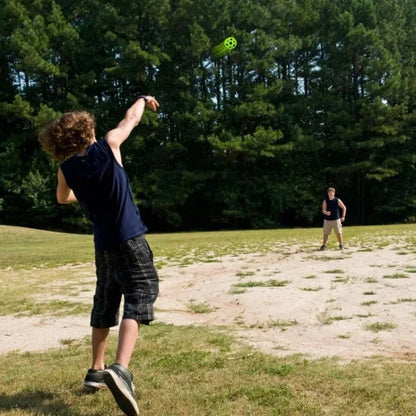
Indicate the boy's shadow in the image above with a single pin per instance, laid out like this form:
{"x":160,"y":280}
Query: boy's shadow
{"x":42,"y":403}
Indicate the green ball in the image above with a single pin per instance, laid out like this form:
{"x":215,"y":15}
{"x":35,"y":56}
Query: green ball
{"x":230,"y":43}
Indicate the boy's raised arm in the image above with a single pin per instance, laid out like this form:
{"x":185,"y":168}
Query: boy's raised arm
{"x":132,"y":118}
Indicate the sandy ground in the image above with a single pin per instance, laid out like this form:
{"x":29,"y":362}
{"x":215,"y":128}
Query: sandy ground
{"x":350,"y":304}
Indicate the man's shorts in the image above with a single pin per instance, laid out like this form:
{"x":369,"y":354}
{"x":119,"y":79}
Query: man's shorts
{"x":129,"y":272}
{"x":332,"y":224}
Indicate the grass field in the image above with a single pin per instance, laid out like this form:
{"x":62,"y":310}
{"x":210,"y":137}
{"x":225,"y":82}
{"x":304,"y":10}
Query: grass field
{"x":184,"y":370}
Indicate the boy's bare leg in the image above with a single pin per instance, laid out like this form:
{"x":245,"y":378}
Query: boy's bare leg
{"x":127,"y":337}
{"x":99,"y":342}
{"x":117,"y":377}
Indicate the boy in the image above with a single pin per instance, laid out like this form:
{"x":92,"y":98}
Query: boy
{"x":332,"y":217}
{"x":92,"y":173}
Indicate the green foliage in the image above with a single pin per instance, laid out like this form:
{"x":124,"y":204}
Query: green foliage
{"x":316,"y":93}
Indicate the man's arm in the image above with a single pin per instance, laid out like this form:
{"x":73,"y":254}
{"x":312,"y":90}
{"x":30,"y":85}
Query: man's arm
{"x":344,"y":209}
{"x":64,"y":194}
{"x":133,"y":115}
{"x":324,"y":211}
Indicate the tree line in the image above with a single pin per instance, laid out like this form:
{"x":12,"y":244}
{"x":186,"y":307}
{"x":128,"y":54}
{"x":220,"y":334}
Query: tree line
{"x":317,"y":93}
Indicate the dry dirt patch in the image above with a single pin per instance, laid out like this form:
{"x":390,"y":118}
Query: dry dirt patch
{"x":350,"y":304}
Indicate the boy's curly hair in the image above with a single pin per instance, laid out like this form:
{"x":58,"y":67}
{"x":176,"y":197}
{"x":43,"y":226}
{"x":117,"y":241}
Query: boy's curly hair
{"x":68,"y":134}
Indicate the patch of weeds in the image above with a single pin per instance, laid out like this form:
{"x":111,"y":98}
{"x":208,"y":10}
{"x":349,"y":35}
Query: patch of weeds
{"x":222,"y":341}
{"x":272,"y":273}
{"x":258,"y":325}
{"x":312,"y":289}
{"x":54,"y":308}
{"x":360,"y":315}
{"x":410,"y":269}
{"x":326,"y":259}
{"x":239,"y":320}
{"x":340,"y":318}
{"x":263,"y":395}
{"x":245,"y":274}
{"x":334,"y":271}
{"x":404,"y":300}
{"x":280,"y":369}
{"x":267,"y":283}
{"x":311,"y":276}
{"x":370,"y":280}
{"x":280,"y":347}
{"x":340,"y":279}
{"x":199,"y":307}
{"x":369,"y":293}
{"x":396,"y":276}
{"x":380,"y":326}
{"x":283,"y":325}
{"x":344,"y":336}
{"x":325,"y":319}
{"x":69,"y":341}
{"x":186,"y":261}
{"x":237,"y":290}
{"x":187,"y":361}
{"x":369,"y":303}
{"x":210,"y":259}
{"x":156,"y":309}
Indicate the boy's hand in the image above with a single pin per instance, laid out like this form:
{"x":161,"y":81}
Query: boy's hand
{"x":151,"y":103}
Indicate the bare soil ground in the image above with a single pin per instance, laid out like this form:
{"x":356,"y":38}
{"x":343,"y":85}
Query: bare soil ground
{"x":351,"y":304}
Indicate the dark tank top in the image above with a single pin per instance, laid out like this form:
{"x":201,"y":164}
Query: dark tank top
{"x":332,"y":206}
{"x":103,"y":190}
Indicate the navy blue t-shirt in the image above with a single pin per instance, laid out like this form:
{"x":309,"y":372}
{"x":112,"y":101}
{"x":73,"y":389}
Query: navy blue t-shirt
{"x":103,"y":190}
{"x":333,"y":207}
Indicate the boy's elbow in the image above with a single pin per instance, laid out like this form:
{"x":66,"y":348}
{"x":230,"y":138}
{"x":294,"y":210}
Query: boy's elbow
{"x":64,"y":200}
{"x":61,"y":201}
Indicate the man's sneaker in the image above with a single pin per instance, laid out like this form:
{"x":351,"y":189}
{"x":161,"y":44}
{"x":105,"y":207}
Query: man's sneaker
{"x":323,"y":247}
{"x":120,"y":382}
{"x":341,"y":247}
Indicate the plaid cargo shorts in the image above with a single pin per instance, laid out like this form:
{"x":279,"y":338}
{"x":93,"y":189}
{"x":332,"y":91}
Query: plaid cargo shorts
{"x":129,"y":272}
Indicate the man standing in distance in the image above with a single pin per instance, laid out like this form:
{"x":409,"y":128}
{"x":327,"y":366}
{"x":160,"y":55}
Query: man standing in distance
{"x":92,"y":173}
{"x":332,"y":218}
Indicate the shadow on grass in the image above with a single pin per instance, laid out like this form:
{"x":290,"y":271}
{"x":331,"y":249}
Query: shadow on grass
{"x":40,"y":402}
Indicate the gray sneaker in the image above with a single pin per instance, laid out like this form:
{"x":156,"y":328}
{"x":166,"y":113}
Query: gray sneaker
{"x":323,"y":247}
{"x":120,"y":382}
{"x":341,"y":247}
{"x":94,"y":380}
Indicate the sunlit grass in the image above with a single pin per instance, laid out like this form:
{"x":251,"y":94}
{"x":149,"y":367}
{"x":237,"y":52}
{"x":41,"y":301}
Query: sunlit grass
{"x":191,"y":370}
{"x":206,"y":372}
{"x":23,"y":247}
